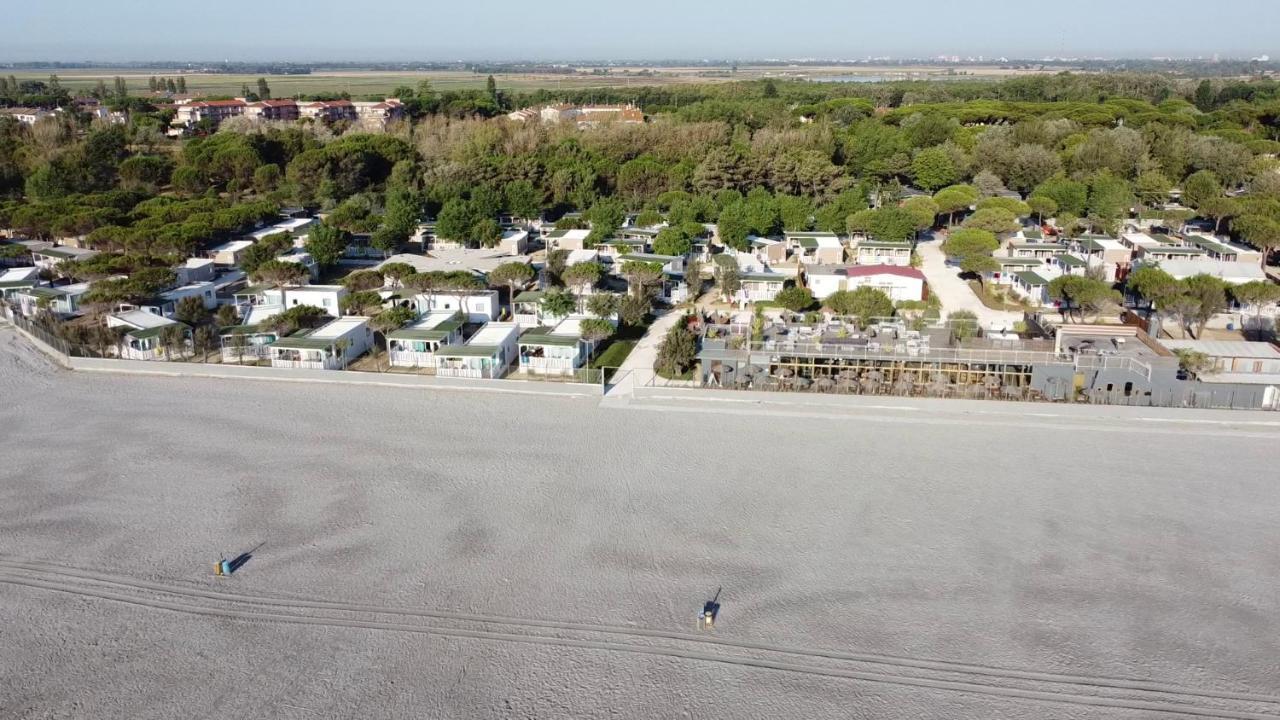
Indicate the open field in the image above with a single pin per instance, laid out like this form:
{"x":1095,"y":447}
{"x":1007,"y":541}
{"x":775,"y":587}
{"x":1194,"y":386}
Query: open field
{"x":435,"y":554}
{"x":359,"y":83}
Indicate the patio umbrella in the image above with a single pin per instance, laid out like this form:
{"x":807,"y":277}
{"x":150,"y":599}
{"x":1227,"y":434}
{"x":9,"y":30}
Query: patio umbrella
{"x":752,"y":370}
{"x":801,"y":383}
{"x":785,"y":372}
{"x":847,"y":375}
{"x":992,"y":382}
{"x":824,"y":383}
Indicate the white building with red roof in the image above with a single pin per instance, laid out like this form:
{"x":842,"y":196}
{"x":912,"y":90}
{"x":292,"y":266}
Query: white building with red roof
{"x":899,"y":283}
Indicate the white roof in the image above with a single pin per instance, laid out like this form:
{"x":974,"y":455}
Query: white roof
{"x":231,"y":246}
{"x":1141,"y":240}
{"x":142,"y":320}
{"x":577,"y":234}
{"x":19,"y":274}
{"x":197,"y":262}
{"x":1235,"y":273}
{"x":494,"y":334}
{"x":190,"y":289}
{"x":434,"y":319}
{"x":262,"y":313}
{"x":289,"y":225}
{"x":514,"y":234}
{"x":1226,"y":348}
{"x":581,"y":256}
{"x":339,"y":327}
{"x":452,"y":259}
{"x":570,"y":326}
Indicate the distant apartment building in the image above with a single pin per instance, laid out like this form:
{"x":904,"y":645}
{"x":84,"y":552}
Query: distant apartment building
{"x":272,"y":110}
{"x":27,"y":116}
{"x":371,"y":113}
{"x":583,"y":116}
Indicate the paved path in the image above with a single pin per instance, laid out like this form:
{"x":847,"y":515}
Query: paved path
{"x":637,"y":369}
{"x":955,"y":293}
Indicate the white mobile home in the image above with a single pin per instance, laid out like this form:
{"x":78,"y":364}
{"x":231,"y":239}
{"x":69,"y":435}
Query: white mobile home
{"x":47,"y":258}
{"x":415,"y":345}
{"x":247,"y":342}
{"x":480,"y":306}
{"x":487,"y":354}
{"x":15,"y":280}
{"x":899,"y":283}
{"x":144,"y":331}
{"x":330,"y":347}
{"x":555,"y":351}
{"x":229,"y":253}
{"x":876,"y":252}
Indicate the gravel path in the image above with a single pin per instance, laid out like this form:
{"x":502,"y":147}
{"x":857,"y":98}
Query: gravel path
{"x":477,"y":555}
{"x":955,"y":293}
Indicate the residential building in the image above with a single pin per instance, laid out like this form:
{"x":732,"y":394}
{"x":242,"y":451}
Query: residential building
{"x":303,"y":258}
{"x":1232,"y":356}
{"x":514,"y":242}
{"x":327,"y":110}
{"x":47,"y":258}
{"x":60,"y":300}
{"x":1009,"y":266}
{"x":296,"y":226}
{"x":1105,"y":252}
{"x":582,"y":256}
{"x":415,"y":345}
{"x":143,"y":335}
{"x":1034,"y":250}
{"x":166,"y":303}
{"x":329,"y":347}
{"x":258,"y":303}
{"x":526,"y":308}
{"x":15,"y":280}
{"x":479,"y":306}
{"x":817,"y":247}
{"x":1232,"y":273}
{"x":28,"y":116}
{"x":899,"y":283}
{"x":876,"y":252}
{"x":229,"y":253}
{"x":488,"y":354}
{"x":584,"y":116}
{"x":770,"y":251}
{"x":1033,"y":286}
{"x":567,"y":239}
{"x":271,"y":110}
{"x":1215,"y":249}
{"x":196,"y":270}
{"x":761,"y":286}
{"x":251,"y":343}
{"x":559,"y":350}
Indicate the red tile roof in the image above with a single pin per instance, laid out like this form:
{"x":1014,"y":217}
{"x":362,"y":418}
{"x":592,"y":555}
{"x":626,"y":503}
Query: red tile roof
{"x":865,"y":270}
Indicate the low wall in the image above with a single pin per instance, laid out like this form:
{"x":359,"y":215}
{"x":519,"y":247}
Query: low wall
{"x":238,"y":372}
{"x":878,"y":403}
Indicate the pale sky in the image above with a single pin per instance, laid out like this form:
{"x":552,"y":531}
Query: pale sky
{"x":429,"y":30}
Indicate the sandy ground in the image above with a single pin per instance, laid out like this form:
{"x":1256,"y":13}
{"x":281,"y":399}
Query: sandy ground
{"x":451,"y":555}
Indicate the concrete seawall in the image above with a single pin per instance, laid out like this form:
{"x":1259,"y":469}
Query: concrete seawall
{"x":237,"y":372}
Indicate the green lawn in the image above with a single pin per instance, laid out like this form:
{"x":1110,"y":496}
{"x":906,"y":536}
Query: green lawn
{"x":614,"y":355}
